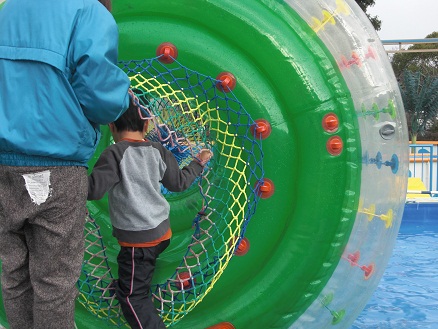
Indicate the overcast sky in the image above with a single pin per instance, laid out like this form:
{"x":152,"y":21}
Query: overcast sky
{"x":406,"y":19}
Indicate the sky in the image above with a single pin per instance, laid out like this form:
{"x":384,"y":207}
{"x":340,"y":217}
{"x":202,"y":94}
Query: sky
{"x":406,"y":19}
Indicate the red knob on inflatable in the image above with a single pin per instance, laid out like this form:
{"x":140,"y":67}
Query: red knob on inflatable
{"x":371,"y":53}
{"x":227,"y":81}
{"x":243,"y":247}
{"x":368,"y":270}
{"x":266,"y":188}
{"x":355,"y":59}
{"x":330,"y":122}
{"x":222,"y":325}
{"x":167,"y":52}
{"x":261,"y":129}
{"x":184,"y":280}
{"x":335,"y":145}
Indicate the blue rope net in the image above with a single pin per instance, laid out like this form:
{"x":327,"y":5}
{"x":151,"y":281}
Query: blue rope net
{"x":187,"y":111}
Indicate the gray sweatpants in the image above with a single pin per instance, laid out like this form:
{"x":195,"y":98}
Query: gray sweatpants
{"x":42,"y":216}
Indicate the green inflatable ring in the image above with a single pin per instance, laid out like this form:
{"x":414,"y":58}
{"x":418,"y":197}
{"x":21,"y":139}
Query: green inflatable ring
{"x":303,"y":238}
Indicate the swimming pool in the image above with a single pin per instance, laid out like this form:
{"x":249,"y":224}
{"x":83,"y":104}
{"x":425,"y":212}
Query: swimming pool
{"x":407,"y":296}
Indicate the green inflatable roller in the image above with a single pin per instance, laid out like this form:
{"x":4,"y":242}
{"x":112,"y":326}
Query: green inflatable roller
{"x":293,"y":221}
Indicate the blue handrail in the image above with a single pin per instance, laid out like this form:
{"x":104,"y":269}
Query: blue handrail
{"x":420,"y":154}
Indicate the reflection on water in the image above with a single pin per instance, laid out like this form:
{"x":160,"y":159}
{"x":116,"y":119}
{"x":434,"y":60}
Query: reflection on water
{"x":407,"y":296}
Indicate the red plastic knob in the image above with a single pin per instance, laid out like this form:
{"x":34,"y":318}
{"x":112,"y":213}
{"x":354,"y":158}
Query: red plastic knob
{"x":227,"y":81}
{"x":371,"y":53}
{"x":368,"y":270}
{"x":167,"y":52}
{"x":261,"y":129}
{"x":335,"y":145}
{"x":330,"y":122}
{"x":355,"y":59}
{"x":184,"y":280}
{"x":266,"y":188}
{"x":222,"y":325}
{"x":243,"y":247}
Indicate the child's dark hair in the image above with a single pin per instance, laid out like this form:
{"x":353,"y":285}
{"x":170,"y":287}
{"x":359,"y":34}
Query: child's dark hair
{"x":131,"y":120}
{"x":107,"y":4}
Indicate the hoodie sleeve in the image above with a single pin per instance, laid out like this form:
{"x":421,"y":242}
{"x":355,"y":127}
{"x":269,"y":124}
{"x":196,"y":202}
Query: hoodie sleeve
{"x":104,"y":176}
{"x":176,"y":179}
{"x":99,"y":84}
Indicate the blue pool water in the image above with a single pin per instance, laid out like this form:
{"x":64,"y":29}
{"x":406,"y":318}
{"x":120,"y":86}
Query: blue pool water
{"x":407,"y":296}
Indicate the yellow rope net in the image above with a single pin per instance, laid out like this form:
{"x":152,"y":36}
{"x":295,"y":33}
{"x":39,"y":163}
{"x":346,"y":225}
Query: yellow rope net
{"x":187,"y":112}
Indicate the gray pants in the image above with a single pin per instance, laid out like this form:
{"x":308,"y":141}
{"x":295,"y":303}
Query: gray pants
{"x":42,"y":216}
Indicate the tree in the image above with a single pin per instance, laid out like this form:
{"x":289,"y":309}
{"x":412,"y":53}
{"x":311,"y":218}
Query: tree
{"x":420,"y":99}
{"x":364,"y":4}
{"x":431,"y":134}
{"x":425,"y":62}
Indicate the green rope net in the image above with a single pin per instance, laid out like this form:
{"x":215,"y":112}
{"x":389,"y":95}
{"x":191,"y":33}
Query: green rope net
{"x":188,"y":111}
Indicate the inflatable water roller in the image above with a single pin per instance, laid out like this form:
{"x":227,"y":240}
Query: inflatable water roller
{"x":294,"y":218}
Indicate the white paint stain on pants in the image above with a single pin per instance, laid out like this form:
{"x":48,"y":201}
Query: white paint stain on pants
{"x":38,"y":186}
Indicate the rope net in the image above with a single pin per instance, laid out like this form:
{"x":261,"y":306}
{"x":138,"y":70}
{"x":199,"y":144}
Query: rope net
{"x":187,"y":111}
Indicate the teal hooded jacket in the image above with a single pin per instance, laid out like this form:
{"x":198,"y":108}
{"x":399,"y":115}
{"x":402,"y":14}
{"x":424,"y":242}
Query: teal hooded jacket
{"x":59,"y":80}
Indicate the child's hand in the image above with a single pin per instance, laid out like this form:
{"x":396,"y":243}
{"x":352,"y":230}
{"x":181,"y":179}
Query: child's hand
{"x":204,"y":156}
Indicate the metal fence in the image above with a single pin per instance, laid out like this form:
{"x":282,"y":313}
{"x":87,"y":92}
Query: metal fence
{"x":423,"y":164}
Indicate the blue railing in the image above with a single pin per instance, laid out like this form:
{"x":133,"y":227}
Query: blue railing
{"x":422,"y":164}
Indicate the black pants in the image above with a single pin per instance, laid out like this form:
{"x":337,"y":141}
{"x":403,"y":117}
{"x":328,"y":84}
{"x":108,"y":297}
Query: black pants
{"x":136,"y":268}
